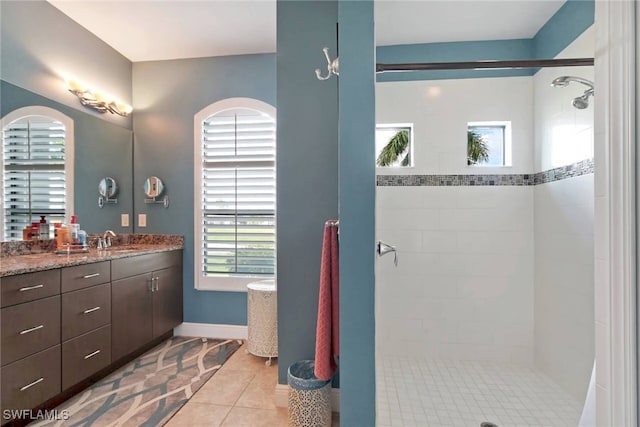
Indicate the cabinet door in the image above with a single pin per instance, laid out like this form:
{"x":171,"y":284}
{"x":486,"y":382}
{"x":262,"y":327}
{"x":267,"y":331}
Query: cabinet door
{"x":29,"y":328}
{"x":131,"y":314}
{"x":85,"y":310}
{"x":167,"y":300}
{"x":31,"y":381}
{"x":85,"y":355}
{"x":29,"y":287}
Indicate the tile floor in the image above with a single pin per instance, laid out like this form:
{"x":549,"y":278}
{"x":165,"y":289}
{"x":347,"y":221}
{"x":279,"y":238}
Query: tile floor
{"x":442,"y":393}
{"x":240,"y":394}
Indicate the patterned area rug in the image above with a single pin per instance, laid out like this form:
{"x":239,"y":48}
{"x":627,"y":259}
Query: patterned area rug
{"x":150,"y":389}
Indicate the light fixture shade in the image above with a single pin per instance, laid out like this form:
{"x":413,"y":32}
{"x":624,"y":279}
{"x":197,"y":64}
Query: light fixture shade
{"x":124,"y":108}
{"x":98,"y":101}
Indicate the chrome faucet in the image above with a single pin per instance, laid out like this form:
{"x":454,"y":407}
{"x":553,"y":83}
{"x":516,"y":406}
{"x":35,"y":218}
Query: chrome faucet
{"x":383,"y":249}
{"x":105,"y":242}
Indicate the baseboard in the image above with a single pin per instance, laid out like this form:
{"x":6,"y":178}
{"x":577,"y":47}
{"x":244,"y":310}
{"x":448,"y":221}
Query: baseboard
{"x":210,"y":330}
{"x":281,"y":397}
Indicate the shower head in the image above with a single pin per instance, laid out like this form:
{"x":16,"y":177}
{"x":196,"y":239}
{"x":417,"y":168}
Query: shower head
{"x":564,"y":81}
{"x":581,"y":102}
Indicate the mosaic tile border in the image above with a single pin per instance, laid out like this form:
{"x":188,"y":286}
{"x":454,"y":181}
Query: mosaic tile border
{"x":583,"y":167}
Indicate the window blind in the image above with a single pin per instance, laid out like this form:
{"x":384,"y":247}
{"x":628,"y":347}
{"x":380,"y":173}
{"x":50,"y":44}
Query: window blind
{"x":238,"y":195}
{"x":33,"y":173}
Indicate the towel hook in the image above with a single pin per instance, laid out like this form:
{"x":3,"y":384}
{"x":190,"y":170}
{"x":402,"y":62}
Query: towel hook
{"x":332,"y":66}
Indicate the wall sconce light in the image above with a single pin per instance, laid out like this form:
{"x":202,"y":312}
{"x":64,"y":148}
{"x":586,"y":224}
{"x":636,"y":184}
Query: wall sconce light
{"x":97,"y":101}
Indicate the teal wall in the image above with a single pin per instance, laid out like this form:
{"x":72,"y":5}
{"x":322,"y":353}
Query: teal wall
{"x":167,"y":95}
{"x":307,"y":174}
{"x":357,"y":213}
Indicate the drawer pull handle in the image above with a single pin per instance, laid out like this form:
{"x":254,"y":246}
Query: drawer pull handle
{"x":89,"y":276}
{"x":30,"y":288}
{"x":39,"y":380}
{"x":91,"y":310}
{"x":35,"y":328}
{"x":90,"y":355}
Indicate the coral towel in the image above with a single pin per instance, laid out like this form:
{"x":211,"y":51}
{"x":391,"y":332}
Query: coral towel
{"x":327,"y":329}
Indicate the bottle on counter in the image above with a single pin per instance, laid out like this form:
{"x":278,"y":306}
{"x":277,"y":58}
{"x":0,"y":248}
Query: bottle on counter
{"x":74,"y":229}
{"x":35,"y":231}
{"x":63,"y":237}
{"x":43,"y":228}
{"x":26,"y":233}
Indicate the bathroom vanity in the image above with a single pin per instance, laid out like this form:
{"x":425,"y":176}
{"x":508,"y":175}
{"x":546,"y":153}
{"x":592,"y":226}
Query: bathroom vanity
{"x":67,"y":321}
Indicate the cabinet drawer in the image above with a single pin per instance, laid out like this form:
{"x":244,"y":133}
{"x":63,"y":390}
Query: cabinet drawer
{"x":30,"y":327}
{"x":31,"y":381}
{"x":85,"y":355}
{"x":131,"y":266}
{"x":82,"y":276}
{"x":30,"y":286}
{"x":85,"y":310}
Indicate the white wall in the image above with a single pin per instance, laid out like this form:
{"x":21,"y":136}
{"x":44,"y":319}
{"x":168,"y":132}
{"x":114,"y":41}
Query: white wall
{"x":440,"y":111}
{"x":563,"y":134}
{"x":564,"y":211}
{"x":463,"y":288}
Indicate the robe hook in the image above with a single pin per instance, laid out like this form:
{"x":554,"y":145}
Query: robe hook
{"x":332,"y":66}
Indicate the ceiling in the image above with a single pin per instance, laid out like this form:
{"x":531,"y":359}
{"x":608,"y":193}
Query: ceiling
{"x":151,"y":30}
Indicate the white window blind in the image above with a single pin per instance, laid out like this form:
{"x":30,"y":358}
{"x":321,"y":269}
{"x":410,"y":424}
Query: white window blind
{"x":33,"y":173}
{"x":238,"y":194}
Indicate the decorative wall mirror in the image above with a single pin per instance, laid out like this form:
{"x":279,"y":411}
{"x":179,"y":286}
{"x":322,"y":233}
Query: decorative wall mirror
{"x":107,"y":189}
{"x":153,"y":188}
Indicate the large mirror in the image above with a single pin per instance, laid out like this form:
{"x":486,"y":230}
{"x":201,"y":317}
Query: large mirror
{"x":101,"y":149}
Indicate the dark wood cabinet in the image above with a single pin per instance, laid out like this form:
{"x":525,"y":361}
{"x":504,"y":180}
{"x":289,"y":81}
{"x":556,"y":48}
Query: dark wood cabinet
{"x":30,"y":286}
{"x":167,"y":300}
{"x":83,"y":276}
{"x":85,"y":355}
{"x":131,"y":314}
{"x":29,"y":328}
{"x":31,"y":381}
{"x":85,"y":310}
{"x":148,"y":303}
{"x":59,"y":327}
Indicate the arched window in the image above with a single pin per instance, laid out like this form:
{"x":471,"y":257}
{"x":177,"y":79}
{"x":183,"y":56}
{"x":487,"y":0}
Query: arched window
{"x":37,"y":168}
{"x":235,"y":239}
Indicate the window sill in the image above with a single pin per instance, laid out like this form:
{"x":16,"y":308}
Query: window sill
{"x":226,"y":284}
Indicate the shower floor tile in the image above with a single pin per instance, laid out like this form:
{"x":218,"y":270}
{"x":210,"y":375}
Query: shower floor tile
{"x":450,"y":393}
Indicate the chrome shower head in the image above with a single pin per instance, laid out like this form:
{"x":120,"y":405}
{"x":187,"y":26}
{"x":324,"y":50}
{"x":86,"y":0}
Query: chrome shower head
{"x":581,"y":102}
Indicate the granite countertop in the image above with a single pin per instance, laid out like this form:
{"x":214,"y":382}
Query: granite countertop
{"x":29,"y":262}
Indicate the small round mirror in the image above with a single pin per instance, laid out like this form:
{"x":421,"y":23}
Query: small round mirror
{"x":153,"y":187}
{"x":108,"y":187}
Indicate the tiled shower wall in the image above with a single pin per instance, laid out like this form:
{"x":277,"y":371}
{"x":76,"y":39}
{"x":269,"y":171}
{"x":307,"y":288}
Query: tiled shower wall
{"x":463,"y":287}
{"x":499,"y":272}
{"x":564,"y":247}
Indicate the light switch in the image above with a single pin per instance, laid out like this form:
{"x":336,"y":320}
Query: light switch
{"x":142,"y":220}
{"x":124,"y":220}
